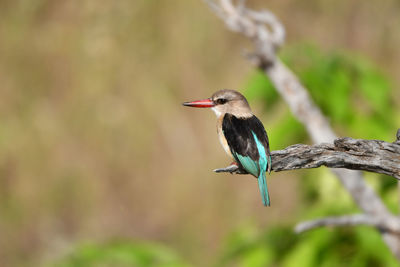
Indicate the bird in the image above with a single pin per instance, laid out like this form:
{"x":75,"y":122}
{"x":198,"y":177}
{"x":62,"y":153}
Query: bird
{"x":241,"y":134}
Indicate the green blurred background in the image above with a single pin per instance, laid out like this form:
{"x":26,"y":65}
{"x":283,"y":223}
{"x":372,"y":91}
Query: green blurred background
{"x":100,"y":165}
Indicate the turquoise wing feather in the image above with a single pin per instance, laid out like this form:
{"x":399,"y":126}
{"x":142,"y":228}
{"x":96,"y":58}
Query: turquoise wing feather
{"x":248,"y":164}
{"x":257,"y":169}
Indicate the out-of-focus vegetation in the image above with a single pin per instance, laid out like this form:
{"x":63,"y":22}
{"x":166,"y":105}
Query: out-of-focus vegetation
{"x":95,"y":146}
{"x":120,"y":253}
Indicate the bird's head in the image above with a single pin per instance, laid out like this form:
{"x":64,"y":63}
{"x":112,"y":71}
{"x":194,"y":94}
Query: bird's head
{"x":224,"y":101}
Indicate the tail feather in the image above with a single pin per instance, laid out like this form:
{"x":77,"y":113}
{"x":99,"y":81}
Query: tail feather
{"x":262,"y":184}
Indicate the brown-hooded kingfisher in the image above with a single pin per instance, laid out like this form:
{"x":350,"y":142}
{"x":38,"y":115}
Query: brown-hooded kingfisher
{"x":241,"y":134}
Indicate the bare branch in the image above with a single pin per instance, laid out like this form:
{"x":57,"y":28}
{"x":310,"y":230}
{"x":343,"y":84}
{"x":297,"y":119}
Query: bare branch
{"x":355,"y":154}
{"x":215,"y":8}
{"x":263,"y":28}
{"x":350,"y":220}
{"x":259,"y":31}
{"x":231,"y":169}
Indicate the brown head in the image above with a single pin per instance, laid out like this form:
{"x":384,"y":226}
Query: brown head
{"x":225,"y":101}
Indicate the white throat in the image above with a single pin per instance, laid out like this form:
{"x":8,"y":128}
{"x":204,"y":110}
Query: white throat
{"x":217,"y":112}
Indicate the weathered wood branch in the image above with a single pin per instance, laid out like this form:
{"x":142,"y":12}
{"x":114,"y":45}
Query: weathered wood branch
{"x":355,"y":154}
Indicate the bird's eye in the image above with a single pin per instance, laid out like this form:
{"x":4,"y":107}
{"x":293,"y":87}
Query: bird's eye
{"x":221,"y":101}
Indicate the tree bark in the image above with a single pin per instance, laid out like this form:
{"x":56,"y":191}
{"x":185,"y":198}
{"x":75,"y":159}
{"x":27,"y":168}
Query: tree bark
{"x":355,"y":154}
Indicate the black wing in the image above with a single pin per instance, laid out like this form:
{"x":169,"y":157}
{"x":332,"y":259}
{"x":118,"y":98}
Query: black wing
{"x":239,"y":135}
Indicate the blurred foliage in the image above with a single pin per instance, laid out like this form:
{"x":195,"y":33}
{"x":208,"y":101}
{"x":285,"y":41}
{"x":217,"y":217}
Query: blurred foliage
{"x":280,"y":246}
{"x":120,"y":254}
{"x":353,"y":93}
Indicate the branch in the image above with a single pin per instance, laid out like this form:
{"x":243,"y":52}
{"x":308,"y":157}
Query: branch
{"x":355,"y":154}
{"x":392,"y":226}
{"x":267,"y":37}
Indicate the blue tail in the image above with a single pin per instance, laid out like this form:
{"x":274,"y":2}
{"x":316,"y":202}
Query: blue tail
{"x":262,"y":184}
{"x":263,"y":165}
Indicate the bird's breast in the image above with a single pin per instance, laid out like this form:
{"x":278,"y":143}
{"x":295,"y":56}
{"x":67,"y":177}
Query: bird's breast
{"x":222,"y":138}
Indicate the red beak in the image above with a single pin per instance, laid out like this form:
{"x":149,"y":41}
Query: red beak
{"x":205,"y":103}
